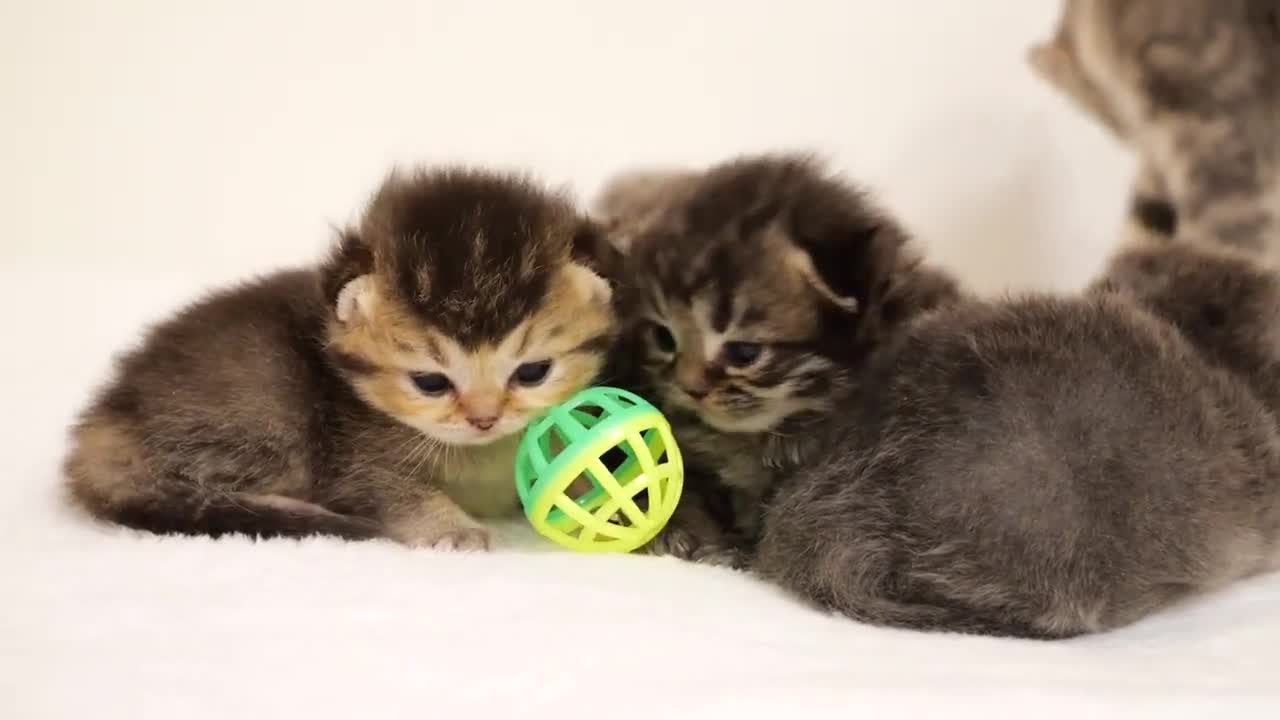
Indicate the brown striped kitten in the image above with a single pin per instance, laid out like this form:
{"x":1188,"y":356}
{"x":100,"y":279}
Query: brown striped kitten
{"x":378,"y":394}
{"x":1193,"y":86}
{"x":754,"y":292}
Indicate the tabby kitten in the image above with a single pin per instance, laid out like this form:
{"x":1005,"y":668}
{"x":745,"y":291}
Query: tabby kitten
{"x":1194,"y":87}
{"x":1048,"y":467}
{"x":377,"y":395}
{"x":756,"y":290}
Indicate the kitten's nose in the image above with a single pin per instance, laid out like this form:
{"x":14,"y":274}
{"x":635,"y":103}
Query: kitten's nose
{"x":697,"y":393}
{"x":691,"y":375}
{"x":482,"y":423}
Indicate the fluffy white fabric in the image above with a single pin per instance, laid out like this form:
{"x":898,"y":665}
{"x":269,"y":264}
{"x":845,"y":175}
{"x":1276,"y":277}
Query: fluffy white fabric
{"x":107,"y":623}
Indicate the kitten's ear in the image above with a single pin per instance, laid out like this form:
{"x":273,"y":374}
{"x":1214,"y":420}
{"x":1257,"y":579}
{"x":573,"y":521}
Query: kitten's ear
{"x":850,"y":267}
{"x":1055,"y":63}
{"x":632,"y":201}
{"x":347,"y":279}
{"x":592,"y":248}
{"x":1052,"y":63}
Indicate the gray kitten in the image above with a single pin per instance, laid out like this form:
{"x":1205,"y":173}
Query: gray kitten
{"x":1194,"y":87}
{"x":753,"y":293}
{"x":1048,"y":467}
{"x":377,"y":394}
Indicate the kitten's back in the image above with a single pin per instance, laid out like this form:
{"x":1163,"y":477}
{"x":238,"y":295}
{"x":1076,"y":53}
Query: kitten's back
{"x":1039,"y":467}
{"x":230,"y":392}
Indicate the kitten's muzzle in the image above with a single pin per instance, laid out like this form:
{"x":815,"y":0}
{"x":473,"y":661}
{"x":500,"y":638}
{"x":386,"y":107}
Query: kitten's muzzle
{"x":692,"y":377}
{"x":485,"y":422}
{"x":696,"y":393}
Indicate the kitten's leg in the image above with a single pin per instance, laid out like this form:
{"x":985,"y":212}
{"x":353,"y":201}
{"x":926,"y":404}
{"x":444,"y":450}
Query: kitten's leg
{"x":433,"y":519}
{"x":695,"y":533}
{"x":835,"y":542}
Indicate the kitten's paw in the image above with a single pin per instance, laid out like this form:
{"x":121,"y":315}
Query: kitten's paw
{"x":450,"y":537}
{"x":685,"y":545}
{"x":470,"y":539}
{"x":722,"y":556}
{"x":676,"y":542}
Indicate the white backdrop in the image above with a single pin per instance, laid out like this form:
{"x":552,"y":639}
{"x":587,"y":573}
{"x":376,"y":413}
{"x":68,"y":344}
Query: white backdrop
{"x":228,"y":136}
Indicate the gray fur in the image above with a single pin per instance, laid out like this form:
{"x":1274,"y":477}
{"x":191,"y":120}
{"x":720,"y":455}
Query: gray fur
{"x":1047,"y":467}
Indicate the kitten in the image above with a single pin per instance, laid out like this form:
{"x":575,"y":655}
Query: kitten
{"x":1038,"y":467}
{"x":756,"y":289}
{"x":379,"y":394}
{"x":1194,"y":87}
{"x":1047,"y":467}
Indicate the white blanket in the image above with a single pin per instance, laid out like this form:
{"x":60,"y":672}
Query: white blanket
{"x":107,"y":623}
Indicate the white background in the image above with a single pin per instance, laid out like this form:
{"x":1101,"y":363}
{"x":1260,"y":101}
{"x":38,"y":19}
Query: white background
{"x":229,"y":136}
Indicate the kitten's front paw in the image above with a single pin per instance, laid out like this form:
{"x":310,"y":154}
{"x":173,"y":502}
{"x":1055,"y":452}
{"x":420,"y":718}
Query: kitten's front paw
{"x":685,"y":545}
{"x":448,"y":536}
{"x":676,"y":542}
{"x":471,"y":539}
{"x":723,"y":556}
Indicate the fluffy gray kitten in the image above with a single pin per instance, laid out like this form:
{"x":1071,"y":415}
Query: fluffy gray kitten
{"x":1194,"y":87}
{"x":1048,"y":467}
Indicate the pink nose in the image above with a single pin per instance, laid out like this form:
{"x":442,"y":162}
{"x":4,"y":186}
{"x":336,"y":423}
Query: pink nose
{"x":482,"y":423}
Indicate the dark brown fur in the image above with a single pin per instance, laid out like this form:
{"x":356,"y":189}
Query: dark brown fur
{"x":284,"y":406}
{"x":768,"y":250}
{"x":1049,"y":467}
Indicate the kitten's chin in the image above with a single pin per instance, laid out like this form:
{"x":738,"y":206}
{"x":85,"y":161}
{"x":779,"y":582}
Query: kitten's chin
{"x":470,"y":437}
{"x":728,"y":423}
{"x":748,"y":424}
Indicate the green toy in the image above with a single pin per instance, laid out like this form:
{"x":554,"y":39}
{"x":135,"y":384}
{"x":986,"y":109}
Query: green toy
{"x":600,"y":472}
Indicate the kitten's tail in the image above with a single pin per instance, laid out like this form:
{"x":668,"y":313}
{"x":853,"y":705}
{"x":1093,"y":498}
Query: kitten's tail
{"x":233,"y":513}
{"x":106,"y":480}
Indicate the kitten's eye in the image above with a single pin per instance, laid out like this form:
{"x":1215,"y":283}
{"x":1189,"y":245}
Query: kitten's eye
{"x":532,"y":373}
{"x":431,"y":383}
{"x":742,"y":354}
{"x":663,"y":339}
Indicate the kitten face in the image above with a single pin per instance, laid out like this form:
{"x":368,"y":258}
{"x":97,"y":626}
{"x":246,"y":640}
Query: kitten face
{"x":755,"y":295}
{"x":744,"y":351}
{"x":474,"y":316}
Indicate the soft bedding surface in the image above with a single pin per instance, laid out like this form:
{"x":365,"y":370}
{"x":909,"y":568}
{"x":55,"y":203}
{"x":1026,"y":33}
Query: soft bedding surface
{"x":107,"y":623}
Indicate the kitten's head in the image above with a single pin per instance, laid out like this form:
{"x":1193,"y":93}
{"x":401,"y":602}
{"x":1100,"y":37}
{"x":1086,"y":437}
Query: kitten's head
{"x":466,"y":303}
{"x":757,"y":292}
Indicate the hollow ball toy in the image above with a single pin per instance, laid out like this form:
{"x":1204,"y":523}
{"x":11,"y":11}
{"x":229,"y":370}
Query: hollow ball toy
{"x":600,"y":472}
